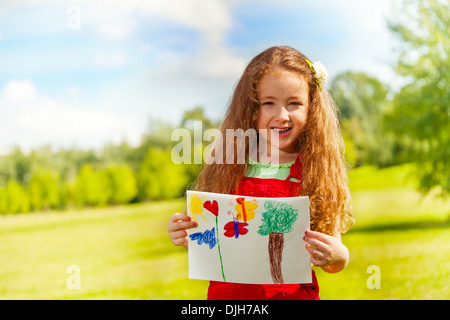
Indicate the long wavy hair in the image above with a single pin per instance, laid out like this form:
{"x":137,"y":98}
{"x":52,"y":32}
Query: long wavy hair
{"x":321,"y":147}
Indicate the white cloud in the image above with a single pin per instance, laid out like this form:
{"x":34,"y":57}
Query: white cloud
{"x":19,"y":91}
{"x":219,"y":62}
{"x":111,"y":60}
{"x":108,"y":20}
{"x":210,"y":17}
{"x":74,"y":91}
{"x":116,"y":20}
{"x":37,"y":120}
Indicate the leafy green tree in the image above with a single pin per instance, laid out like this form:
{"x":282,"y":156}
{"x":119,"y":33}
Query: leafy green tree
{"x":118,"y":154}
{"x":70,"y":161}
{"x":44,"y":189}
{"x":121,"y":182}
{"x":420,"y":114}
{"x":197,"y":114}
{"x":91,"y":188}
{"x":3,"y":201}
{"x":16,"y":198}
{"x":16,"y":166}
{"x":362,"y":100}
{"x":159,"y":177}
{"x":66,"y":193}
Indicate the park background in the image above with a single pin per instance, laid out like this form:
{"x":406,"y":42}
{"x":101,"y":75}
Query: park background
{"x":90,"y":92}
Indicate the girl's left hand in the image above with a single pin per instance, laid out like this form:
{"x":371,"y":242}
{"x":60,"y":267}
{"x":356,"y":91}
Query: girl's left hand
{"x":326,"y":251}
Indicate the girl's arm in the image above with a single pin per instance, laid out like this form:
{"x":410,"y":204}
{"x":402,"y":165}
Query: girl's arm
{"x":327,"y":252}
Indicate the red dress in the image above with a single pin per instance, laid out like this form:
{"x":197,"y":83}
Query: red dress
{"x":275,"y":188}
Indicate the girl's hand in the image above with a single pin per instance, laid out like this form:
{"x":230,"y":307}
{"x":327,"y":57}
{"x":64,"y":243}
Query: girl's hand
{"x":326,"y":251}
{"x":178,"y":224}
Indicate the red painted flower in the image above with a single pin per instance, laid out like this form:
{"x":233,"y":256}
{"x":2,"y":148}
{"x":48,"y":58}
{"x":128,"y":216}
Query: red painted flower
{"x":212,"y":207}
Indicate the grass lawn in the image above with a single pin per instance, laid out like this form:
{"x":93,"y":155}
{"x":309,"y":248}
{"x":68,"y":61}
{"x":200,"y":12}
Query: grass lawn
{"x":125,"y":253}
{"x":122,"y":253}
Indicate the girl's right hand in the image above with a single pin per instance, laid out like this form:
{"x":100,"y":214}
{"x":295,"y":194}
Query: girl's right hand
{"x":178,"y":225}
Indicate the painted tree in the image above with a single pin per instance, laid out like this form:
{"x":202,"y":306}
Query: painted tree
{"x":278,"y":219}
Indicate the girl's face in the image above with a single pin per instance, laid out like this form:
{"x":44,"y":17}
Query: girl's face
{"x":283,"y":112}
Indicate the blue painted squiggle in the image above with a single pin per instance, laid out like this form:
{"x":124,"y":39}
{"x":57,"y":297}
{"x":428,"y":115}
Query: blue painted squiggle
{"x":208,"y":237}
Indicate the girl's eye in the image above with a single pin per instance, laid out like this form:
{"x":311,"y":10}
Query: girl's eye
{"x":268,"y":103}
{"x":295,"y":103}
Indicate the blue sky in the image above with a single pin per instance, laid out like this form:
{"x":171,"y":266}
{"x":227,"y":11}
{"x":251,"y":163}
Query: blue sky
{"x":85,"y":73}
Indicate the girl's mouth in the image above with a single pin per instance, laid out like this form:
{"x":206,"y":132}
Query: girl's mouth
{"x":281,"y":132}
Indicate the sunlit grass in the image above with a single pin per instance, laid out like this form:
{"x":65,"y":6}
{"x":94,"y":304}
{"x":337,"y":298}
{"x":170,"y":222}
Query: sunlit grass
{"x":413,"y":264}
{"x":123,"y":253}
{"x":388,"y":197}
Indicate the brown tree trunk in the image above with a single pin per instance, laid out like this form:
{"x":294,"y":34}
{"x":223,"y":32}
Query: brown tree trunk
{"x":276,"y":244}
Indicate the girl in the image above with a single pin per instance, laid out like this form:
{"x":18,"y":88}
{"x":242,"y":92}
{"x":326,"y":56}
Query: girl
{"x":280,"y":94}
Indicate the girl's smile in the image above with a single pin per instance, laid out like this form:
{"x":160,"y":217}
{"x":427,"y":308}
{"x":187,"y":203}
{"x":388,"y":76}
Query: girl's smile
{"x":281,"y":132}
{"x":283,"y":112}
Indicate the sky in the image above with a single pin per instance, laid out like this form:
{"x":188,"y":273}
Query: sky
{"x":87,"y":73}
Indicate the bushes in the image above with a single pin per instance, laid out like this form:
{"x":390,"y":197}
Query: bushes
{"x":121,"y":184}
{"x":14,"y":198}
{"x":112,"y":185}
{"x":44,"y":190}
{"x":90,"y":188}
{"x":159,"y":177}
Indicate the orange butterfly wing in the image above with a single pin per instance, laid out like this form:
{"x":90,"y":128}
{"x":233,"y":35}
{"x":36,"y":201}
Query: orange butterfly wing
{"x":245,"y":210}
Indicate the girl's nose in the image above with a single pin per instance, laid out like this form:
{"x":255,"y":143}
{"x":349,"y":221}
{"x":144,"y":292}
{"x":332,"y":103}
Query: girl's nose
{"x":282,"y":114}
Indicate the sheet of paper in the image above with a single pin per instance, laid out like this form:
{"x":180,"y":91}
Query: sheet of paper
{"x":248,"y":239}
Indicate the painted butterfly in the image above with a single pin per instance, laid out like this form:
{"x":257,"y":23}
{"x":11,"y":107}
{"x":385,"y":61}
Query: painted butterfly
{"x":235,"y":228}
{"x":245,"y":209}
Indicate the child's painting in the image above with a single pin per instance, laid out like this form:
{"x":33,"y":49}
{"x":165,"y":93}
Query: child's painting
{"x":245,"y":239}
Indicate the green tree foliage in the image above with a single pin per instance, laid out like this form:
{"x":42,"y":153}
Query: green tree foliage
{"x":197,"y":114}
{"x":15,"y":167}
{"x":3,"y":201}
{"x":361,"y":100}
{"x":91,"y":187}
{"x":278,"y":217}
{"x":420,"y":114}
{"x":189,"y":116}
{"x":121,"y":184}
{"x":16,"y":198}
{"x":159,"y":177}
{"x":44,"y":189}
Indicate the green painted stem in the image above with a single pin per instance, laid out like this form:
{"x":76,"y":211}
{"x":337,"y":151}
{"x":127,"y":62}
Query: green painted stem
{"x":218,"y":246}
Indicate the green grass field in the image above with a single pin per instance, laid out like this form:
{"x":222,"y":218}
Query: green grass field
{"x":125,"y":253}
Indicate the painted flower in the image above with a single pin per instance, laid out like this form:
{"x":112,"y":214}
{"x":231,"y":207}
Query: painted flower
{"x":212,"y":207}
